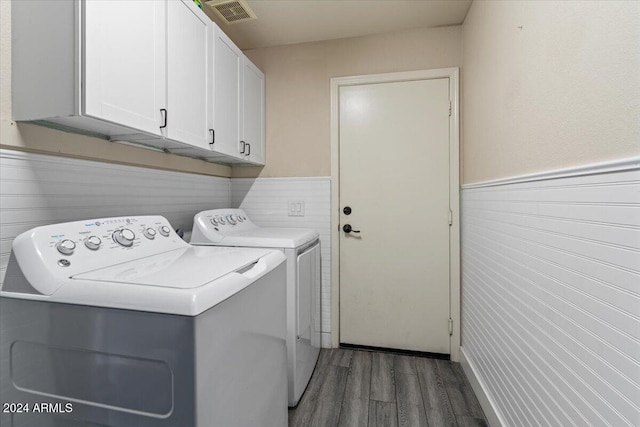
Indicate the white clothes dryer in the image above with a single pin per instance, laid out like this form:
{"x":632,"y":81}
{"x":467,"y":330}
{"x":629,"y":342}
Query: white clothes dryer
{"x":233,"y":228}
{"x":118,"y":322}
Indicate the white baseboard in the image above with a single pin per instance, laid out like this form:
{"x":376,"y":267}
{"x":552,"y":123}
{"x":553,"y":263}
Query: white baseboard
{"x":326,"y":341}
{"x":479,"y":388}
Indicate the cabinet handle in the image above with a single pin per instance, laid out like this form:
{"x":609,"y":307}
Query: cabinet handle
{"x":164,"y":114}
{"x":213,"y":136}
{"x":244,"y":145}
{"x":248,"y":153}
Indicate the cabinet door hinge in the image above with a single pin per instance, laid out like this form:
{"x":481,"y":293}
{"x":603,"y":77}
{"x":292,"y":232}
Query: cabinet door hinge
{"x":450,"y":217}
{"x":449,"y":108}
{"x":450,"y":326}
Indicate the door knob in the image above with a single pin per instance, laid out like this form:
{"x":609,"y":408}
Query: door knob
{"x":348,"y":229}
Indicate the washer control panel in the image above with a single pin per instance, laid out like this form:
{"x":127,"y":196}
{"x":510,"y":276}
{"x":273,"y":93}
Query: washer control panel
{"x":63,"y":250}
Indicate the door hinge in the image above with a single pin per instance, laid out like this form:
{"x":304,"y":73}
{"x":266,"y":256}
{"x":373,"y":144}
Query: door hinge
{"x":450,"y":217}
{"x":449,"y":108}
{"x":450,"y":326}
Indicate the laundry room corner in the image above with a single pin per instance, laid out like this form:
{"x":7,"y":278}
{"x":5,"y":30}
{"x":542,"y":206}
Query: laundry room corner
{"x":267,"y":202}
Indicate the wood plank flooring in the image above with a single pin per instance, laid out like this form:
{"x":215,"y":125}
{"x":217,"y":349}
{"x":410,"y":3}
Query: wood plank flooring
{"x":353,"y":388}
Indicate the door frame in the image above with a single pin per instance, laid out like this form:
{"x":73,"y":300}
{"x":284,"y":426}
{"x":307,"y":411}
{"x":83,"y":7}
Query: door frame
{"x":454,"y":191}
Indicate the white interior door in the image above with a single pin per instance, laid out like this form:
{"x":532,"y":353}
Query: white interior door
{"x":394,"y":175}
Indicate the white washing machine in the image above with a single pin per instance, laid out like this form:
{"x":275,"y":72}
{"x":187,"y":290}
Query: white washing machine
{"x":233,"y":228}
{"x":118,"y":322}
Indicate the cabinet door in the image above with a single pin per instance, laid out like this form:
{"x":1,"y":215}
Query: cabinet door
{"x":253,"y":112}
{"x":226,"y":93}
{"x":124,"y":50}
{"x":188,"y":91}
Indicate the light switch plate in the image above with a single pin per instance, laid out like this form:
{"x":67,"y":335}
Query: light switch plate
{"x":296,"y":208}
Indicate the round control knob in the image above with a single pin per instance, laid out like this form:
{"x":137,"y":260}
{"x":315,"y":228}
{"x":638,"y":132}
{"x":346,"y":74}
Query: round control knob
{"x":124,"y":237}
{"x":66,"y":247}
{"x":93,"y":243}
{"x":240,"y":219}
{"x":149,"y":233}
{"x":214,"y":221}
{"x":231,"y":219}
{"x":164,"y":230}
{"x":221,"y":220}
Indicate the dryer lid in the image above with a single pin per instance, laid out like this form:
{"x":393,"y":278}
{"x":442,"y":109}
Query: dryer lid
{"x":270,"y":237}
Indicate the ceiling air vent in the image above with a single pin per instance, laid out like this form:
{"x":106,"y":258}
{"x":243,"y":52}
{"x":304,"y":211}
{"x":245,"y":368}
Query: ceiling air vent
{"x":232,"y":11}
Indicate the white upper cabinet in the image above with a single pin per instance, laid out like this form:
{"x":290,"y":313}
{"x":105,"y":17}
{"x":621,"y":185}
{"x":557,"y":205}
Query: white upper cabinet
{"x":188,"y":74}
{"x":227,"y":61}
{"x":124,"y":53}
{"x":157,"y":73}
{"x":239,"y":103}
{"x":253,"y":113}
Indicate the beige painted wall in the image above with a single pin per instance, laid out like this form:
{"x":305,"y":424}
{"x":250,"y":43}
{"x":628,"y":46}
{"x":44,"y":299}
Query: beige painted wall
{"x":298,"y":90}
{"x":548,"y":85}
{"x":33,"y":138}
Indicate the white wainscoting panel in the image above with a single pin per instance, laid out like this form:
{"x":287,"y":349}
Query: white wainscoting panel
{"x":266,"y":202}
{"x":551,"y":297}
{"x":39,"y":189}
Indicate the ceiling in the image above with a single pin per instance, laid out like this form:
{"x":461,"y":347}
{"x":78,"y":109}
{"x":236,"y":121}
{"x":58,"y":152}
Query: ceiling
{"x":296,"y":21}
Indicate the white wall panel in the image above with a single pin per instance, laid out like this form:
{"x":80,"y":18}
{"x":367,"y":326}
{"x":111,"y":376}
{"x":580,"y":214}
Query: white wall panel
{"x":39,"y":189}
{"x":551,"y":297}
{"x":266,"y":202}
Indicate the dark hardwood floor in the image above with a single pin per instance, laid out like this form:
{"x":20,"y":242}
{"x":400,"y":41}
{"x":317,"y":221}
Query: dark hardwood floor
{"x":365,"y":388}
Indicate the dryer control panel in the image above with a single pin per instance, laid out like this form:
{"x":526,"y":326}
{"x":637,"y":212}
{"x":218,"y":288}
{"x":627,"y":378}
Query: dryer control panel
{"x":217,"y":223}
{"x":59,"y":251}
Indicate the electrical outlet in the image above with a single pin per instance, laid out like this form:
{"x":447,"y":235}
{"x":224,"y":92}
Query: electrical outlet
{"x":296,"y":208}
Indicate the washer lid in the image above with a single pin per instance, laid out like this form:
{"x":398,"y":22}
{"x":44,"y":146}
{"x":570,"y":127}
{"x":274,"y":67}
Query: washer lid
{"x":183,"y":282}
{"x":268,"y":237}
{"x":184,"y":268}
{"x":95,"y":263}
